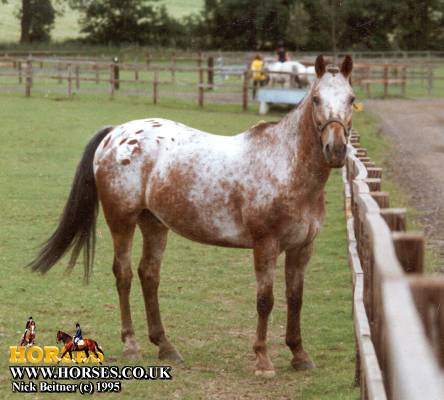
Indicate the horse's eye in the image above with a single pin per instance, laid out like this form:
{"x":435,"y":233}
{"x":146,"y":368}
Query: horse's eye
{"x":352,"y":99}
{"x":316,"y":100}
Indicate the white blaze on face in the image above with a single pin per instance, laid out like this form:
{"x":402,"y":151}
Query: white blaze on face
{"x":335,"y":94}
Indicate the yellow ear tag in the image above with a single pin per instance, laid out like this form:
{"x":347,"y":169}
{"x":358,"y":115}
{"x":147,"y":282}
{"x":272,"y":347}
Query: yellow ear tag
{"x":358,"y":107}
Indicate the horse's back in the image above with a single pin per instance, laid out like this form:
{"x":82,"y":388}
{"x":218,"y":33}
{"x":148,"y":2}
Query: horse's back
{"x":175,"y":171}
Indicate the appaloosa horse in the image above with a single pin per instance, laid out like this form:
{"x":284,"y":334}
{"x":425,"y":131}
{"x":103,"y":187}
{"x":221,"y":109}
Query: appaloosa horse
{"x":262,"y":189}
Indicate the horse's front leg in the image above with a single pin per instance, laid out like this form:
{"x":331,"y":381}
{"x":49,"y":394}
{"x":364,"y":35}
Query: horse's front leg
{"x":295,"y":262}
{"x":61,"y":357}
{"x":86,"y":354}
{"x":265,"y":256}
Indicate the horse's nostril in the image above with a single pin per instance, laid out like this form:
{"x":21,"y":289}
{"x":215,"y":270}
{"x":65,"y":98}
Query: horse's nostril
{"x":327,"y":148}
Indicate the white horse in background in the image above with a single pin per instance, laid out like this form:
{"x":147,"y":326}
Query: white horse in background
{"x":290,"y":74}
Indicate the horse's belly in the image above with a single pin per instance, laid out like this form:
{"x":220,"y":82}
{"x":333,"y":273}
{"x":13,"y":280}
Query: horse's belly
{"x":215,"y":228}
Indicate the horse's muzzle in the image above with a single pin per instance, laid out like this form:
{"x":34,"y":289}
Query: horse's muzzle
{"x":335,"y":155}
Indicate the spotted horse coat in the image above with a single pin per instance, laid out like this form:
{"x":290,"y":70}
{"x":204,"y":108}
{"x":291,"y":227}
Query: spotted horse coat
{"x":261,"y":189}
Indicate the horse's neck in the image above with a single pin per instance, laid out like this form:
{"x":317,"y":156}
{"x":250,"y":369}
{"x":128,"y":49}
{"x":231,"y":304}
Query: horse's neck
{"x":309,"y":169}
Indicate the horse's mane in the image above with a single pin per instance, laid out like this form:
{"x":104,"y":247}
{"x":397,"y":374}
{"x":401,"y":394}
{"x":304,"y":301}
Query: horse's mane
{"x":65,"y":334}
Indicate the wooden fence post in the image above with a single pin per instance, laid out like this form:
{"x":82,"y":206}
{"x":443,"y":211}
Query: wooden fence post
{"x":173,"y":67}
{"x":245,"y":91}
{"x":147,"y":58}
{"x":210,"y":74}
{"x":367,"y":86}
{"x":111,"y":81}
{"x":429,"y":79}
{"x":404,"y":80}
{"x":374,"y":184}
{"x":136,"y":74}
{"x":395,"y":218}
{"x":374,"y":172}
{"x":381,"y":198}
{"x":28,"y":77}
{"x":59,"y":72}
{"x":155,"y":87}
{"x":201,"y":87}
{"x":96,"y":68}
{"x":19,"y":71}
{"x":409,"y":248}
{"x":116,"y":72}
{"x":69,"y":80}
{"x":77,"y":72}
{"x":385,"y":81}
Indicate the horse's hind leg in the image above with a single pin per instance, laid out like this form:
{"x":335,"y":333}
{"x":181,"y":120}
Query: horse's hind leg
{"x":295,"y":263}
{"x":154,"y":243}
{"x":122,"y":230}
{"x":86,"y":354}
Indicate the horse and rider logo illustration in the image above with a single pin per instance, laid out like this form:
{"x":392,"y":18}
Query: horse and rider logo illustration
{"x":71,"y":344}
{"x":28,"y":337}
{"x":78,"y":344}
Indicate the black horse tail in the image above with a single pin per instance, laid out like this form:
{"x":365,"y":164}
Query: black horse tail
{"x":98,"y":348}
{"x":77,"y":224}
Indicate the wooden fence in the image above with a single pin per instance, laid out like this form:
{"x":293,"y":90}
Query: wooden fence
{"x":200,"y":78}
{"x":399,"y":326}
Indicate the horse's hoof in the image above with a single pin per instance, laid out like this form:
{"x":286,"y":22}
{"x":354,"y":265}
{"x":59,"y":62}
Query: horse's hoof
{"x":302,"y":365}
{"x":265,"y":373}
{"x":171,"y":355}
{"x":132,"y":354}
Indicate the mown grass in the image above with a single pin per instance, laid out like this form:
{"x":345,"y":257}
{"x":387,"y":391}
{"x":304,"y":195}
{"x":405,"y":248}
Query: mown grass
{"x":207,"y":294}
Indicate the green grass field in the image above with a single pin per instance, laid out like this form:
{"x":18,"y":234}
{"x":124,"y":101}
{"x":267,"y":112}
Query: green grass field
{"x":207,"y":294}
{"x":66,"y":26}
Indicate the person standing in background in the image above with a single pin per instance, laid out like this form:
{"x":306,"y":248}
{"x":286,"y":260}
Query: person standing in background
{"x":281,"y":52}
{"x":257,"y":71}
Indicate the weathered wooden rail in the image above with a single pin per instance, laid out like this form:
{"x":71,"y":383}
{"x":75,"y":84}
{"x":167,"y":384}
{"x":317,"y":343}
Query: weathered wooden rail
{"x":201,"y":77}
{"x":399,"y":327}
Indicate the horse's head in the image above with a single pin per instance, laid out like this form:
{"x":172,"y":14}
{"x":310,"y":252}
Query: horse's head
{"x":59,"y":336}
{"x":332,"y":102}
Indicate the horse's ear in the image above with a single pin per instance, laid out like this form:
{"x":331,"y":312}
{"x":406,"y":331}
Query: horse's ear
{"x":320,"y":66}
{"x":347,"y":66}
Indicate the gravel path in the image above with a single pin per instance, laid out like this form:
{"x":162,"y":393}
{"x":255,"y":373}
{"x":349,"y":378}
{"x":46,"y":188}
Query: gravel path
{"x":417,"y":129}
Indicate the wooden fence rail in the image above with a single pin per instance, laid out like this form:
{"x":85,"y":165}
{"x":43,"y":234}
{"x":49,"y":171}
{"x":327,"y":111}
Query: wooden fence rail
{"x":399,"y":346}
{"x":205,"y":75}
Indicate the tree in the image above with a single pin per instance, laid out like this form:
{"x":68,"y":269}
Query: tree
{"x":130,"y":21}
{"x":297,"y":33}
{"x":36,"y":20}
{"x":351,"y":24}
{"x":246,"y":24}
{"x":419,"y":25}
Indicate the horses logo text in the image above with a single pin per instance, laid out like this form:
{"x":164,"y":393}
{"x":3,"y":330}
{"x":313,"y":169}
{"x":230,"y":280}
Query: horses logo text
{"x":48,"y":355}
{"x":106,"y":378}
